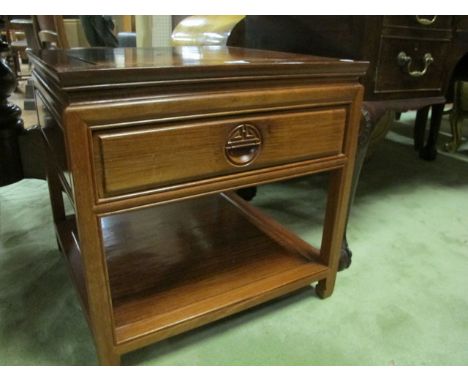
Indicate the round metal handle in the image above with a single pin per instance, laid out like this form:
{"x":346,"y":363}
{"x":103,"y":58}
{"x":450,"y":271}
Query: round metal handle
{"x":423,"y":21}
{"x":405,"y":61}
{"x":243,"y":145}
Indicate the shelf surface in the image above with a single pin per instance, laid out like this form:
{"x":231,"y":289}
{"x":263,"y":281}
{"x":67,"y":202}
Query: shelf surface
{"x":177,"y":266}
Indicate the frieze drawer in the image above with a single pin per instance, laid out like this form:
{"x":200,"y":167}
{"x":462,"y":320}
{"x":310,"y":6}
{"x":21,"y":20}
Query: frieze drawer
{"x":406,"y":65}
{"x":138,"y":159}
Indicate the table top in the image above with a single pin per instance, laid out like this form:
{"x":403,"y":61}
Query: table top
{"x":98,"y":66}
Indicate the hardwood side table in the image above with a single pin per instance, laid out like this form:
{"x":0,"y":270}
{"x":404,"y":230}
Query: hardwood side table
{"x":148,"y":145}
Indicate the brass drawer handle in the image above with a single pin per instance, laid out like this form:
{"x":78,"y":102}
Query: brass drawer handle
{"x":423,"y":21}
{"x":243,"y":145}
{"x":405,"y":61}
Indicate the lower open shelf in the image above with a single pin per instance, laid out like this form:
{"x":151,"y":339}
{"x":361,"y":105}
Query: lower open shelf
{"x":180,"y":265}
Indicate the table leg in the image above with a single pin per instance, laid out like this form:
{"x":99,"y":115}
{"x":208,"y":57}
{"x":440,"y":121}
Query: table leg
{"x":420,"y":127}
{"x":335,"y":228}
{"x":429,"y":152}
{"x":94,"y":264}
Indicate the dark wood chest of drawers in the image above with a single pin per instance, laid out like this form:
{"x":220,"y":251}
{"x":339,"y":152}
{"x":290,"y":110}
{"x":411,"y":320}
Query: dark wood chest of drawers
{"x":410,"y":56}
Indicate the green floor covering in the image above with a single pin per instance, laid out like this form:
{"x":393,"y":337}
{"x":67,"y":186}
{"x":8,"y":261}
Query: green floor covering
{"x":404,"y":300}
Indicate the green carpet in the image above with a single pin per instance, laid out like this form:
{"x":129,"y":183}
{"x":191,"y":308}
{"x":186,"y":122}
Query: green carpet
{"x":402,"y":302}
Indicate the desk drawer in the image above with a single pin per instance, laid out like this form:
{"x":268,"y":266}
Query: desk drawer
{"x":393,"y":75}
{"x":157,"y":156}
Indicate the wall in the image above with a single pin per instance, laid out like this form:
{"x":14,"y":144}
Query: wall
{"x":153,"y":31}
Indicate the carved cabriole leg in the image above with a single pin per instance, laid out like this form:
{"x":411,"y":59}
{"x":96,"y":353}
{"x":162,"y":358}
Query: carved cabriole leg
{"x":11,"y":126}
{"x":366,"y":127}
{"x":90,"y":238}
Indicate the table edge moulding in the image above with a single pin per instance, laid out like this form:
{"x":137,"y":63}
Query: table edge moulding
{"x":150,"y":147}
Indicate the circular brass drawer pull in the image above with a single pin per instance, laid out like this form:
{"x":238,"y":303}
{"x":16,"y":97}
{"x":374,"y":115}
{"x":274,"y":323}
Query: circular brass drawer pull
{"x":424,"y":21}
{"x":243,"y":145}
{"x":405,"y":61}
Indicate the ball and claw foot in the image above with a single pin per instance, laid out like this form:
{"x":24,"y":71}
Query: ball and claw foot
{"x":247,"y":193}
{"x":345,"y":256}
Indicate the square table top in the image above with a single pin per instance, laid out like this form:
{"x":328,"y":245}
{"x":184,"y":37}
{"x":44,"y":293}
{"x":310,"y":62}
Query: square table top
{"x":99,"y":66}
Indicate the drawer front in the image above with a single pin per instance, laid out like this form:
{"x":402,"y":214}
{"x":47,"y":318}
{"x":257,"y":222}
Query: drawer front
{"x":158,"y":156}
{"x":393,"y":74}
{"x":427,"y":22}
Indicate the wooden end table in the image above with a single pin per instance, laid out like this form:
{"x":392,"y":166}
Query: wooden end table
{"x":149,"y":145}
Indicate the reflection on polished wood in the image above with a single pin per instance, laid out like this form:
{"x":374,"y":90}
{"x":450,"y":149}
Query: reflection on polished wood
{"x":204,"y":30}
{"x":179,"y":261}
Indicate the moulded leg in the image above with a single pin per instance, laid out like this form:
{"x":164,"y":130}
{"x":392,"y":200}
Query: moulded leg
{"x":109,"y":359}
{"x":325,"y":288}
